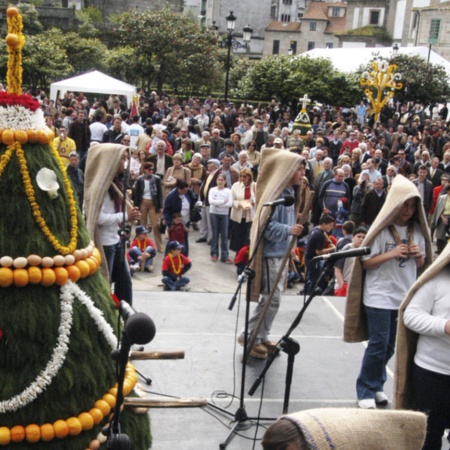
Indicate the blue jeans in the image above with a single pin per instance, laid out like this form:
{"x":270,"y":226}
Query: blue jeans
{"x":119,"y":272}
{"x":175,"y":285}
{"x":135,"y":252}
{"x":382,"y":328}
{"x":219,"y":225}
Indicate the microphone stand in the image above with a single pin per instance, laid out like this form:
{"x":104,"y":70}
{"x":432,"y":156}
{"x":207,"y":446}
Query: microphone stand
{"x":240,"y":416}
{"x":116,"y":439}
{"x":290,"y":346}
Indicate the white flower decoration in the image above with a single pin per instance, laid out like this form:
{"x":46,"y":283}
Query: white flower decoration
{"x":384,"y":65}
{"x":46,"y":180}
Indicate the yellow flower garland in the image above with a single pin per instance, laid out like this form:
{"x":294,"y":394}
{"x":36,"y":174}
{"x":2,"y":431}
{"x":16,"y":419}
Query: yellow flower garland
{"x":75,"y":425}
{"x":29,"y":190}
{"x":14,"y":72}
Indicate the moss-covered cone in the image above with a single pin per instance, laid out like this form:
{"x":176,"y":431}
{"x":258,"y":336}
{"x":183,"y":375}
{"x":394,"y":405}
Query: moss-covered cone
{"x":30,"y":316}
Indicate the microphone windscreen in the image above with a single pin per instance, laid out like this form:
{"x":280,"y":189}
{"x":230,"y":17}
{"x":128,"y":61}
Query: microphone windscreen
{"x":289,"y":200}
{"x":140,"y":329}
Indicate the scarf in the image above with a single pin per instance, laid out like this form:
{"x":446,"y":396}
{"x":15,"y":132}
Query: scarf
{"x":355,"y":326}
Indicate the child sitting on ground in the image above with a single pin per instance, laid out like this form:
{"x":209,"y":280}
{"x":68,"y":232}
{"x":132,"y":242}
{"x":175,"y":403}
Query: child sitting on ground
{"x":174,"y":266}
{"x":142,"y":251}
{"x":241,"y":259}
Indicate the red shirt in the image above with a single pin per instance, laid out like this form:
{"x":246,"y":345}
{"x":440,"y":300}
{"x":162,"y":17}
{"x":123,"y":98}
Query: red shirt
{"x":142,"y":244}
{"x":167,"y":264}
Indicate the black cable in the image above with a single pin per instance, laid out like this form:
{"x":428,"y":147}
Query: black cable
{"x":259,"y":412}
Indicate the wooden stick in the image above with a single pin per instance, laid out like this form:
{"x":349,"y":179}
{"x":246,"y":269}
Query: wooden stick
{"x":165,"y":403}
{"x":157,"y":355}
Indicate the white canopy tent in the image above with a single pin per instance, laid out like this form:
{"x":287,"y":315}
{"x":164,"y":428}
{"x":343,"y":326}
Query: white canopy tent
{"x":93,"y":82}
{"x":348,"y":59}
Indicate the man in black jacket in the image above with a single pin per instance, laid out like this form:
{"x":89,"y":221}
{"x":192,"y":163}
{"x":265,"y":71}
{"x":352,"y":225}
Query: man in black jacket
{"x":147,"y":196}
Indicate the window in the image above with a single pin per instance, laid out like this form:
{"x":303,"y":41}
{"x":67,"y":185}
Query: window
{"x":273,"y":12}
{"x":285,"y":17}
{"x":435,"y":26}
{"x":374,"y":18}
{"x":311,"y":45}
{"x":276,"y":47}
{"x":312,"y":26}
{"x":336,"y":12}
{"x":293,"y":46}
{"x":287,"y":2}
{"x":329,"y":45}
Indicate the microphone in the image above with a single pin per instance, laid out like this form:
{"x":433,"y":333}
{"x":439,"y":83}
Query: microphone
{"x":344,"y":254}
{"x":139,"y":327}
{"x":286,"y":201}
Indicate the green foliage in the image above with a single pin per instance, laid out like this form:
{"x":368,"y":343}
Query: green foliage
{"x":117,"y":62}
{"x":171,"y":49}
{"x":43,"y":62}
{"x":83,"y":54}
{"x":422,"y":82}
{"x":90,"y":14}
{"x":30,"y":16}
{"x":285,"y":77}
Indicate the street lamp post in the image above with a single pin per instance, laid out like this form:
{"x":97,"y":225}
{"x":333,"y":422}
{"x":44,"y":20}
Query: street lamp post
{"x":231,"y":42}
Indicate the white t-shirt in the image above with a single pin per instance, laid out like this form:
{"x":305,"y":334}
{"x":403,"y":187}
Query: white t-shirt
{"x":134,"y":131}
{"x":427,"y":314}
{"x":220,"y":200}
{"x":386,"y":286}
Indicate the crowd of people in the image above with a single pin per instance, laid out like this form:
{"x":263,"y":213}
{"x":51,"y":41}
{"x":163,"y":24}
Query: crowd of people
{"x":196,"y":165}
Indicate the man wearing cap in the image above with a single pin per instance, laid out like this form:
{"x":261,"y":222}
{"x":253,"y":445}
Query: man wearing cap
{"x":174,"y":266}
{"x":295,"y":140}
{"x":260,"y":136}
{"x":351,"y":142}
{"x":278,"y":143}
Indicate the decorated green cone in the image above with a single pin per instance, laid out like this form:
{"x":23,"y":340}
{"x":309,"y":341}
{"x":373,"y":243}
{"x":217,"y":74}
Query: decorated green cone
{"x":57,"y":318}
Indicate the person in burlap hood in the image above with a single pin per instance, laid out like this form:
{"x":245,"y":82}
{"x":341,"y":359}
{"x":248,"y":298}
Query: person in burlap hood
{"x":344,"y":429}
{"x":400,"y":245}
{"x":280,"y":174}
{"x":422,"y":369}
{"x":103,"y":201}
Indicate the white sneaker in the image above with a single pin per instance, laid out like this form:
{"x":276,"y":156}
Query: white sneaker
{"x":367,"y":403}
{"x":381,"y":398}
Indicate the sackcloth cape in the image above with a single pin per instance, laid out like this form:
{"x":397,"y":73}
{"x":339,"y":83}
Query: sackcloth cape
{"x":355,"y":324}
{"x":276,"y":170}
{"x":352,"y":428}
{"x":102,"y":164}
{"x":407,"y":339}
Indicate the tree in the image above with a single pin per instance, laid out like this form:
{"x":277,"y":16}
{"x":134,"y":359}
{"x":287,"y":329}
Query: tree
{"x":117,"y":64}
{"x":171,"y":49}
{"x":31,"y":24}
{"x":83,"y":53}
{"x":284,"y":77}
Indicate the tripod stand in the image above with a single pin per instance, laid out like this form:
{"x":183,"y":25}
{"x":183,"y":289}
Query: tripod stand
{"x":289,"y":345}
{"x":241,"y":418}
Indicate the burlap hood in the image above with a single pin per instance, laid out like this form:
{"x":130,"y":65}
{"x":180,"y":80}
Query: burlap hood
{"x":102,"y":163}
{"x":344,"y":429}
{"x":407,"y":339}
{"x":355,"y":326}
{"x":275,"y":172}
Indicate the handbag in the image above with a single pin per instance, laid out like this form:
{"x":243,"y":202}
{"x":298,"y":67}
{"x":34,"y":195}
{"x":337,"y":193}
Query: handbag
{"x":162,"y":225}
{"x":195,"y":214}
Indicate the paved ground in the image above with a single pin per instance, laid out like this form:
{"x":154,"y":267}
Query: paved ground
{"x":199,"y":323}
